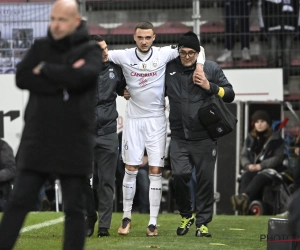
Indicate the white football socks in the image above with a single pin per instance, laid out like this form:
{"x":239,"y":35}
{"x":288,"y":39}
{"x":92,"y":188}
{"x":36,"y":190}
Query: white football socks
{"x":155,"y":192}
{"x":129,"y":186}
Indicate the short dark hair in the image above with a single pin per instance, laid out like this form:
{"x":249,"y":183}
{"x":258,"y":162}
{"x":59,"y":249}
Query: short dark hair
{"x":97,"y":38}
{"x":144,"y":26}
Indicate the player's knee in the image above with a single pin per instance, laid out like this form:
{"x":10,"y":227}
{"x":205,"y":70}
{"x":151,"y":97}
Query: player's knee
{"x":155,"y":170}
{"x":131,"y":167}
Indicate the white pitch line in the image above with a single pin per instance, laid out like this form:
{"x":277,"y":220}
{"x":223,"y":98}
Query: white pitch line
{"x":44,"y":224}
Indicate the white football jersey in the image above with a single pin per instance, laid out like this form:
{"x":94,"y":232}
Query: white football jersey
{"x":145,"y":79}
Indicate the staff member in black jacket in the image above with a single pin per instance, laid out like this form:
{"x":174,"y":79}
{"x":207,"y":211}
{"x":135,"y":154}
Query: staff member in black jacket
{"x":190,"y":144}
{"x":60,"y":72}
{"x":110,"y":83}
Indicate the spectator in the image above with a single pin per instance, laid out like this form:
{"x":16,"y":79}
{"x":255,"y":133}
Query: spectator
{"x":21,"y":40}
{"x":4,"y":44}
{"x":262,"y":156}
{"x":191,"y":145}
{"x":7,"y":172}
{"x":60,"y":71}
{"x":110,"y":83}
{"x":236,"y":10}
{"x":279,"y":21}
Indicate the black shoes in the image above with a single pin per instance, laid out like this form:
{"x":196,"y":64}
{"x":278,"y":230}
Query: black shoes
{"x":103,"y":232}
{"x":202,"y":231}
{"x":90,"y":225}
{"x":185,"y":225}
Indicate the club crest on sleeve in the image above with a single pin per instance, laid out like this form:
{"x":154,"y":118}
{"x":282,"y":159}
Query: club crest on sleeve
{"x":112,"y":75}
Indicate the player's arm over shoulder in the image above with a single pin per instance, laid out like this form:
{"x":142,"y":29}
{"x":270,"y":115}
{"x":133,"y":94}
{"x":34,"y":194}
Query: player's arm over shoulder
{"x":168,"y":52}
{"x":118,"y":56}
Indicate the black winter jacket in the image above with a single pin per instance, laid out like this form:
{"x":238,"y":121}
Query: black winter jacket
{"x":271,"y":156}
{"x":110,"y":83}
{"x":186,"y":98}
{"x":58,"y":136}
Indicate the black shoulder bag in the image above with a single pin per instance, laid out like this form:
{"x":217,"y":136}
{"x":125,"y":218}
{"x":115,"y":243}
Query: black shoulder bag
{"x":216,"y":117}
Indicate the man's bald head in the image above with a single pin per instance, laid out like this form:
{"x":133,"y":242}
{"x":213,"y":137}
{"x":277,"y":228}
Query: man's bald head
{"x":71,"y":5}
{"x":65,"y":18}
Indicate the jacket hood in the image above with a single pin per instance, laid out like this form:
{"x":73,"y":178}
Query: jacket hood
{"x":80,"y":35}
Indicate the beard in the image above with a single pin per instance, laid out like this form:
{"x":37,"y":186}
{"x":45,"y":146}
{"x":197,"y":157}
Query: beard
{"x":142,"y":51}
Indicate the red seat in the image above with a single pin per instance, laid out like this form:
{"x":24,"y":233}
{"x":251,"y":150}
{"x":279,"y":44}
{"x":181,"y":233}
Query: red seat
{"x":254,"y":28}
{"x":172,"y":28}
{"x":96,"y":29}
{"x":227,"y":65}
{"x":13,"y":1}
{"x":40,"y":1}
{"x":293,"y":97}
{"x":213,"y":27}
{"x":219,"y":27}
{"x":124,"y":29}
{"x":295,"y":60}
{"x":257,"y":61}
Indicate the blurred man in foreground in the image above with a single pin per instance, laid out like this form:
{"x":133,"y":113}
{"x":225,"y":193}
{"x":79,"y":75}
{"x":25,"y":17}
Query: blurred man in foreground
{"x":60,"y":71}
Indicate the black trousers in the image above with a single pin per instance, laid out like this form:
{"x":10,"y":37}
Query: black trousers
{"x":252,"y":183}
{"x":280,"y":41}
{"x":26,"y":189}
{"x":106,"y":160}
{"x":184,"y":156}
{"x":237,"y":10}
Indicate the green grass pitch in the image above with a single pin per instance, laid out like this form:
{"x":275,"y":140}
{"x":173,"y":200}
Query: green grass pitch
{"x":228,"y":232}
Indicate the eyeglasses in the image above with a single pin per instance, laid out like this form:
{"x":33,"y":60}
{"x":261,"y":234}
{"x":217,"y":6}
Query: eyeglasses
{"x":184,"y":53}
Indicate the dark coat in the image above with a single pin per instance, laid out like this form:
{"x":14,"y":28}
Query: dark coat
{"x":186,"y":98}
{"x":58,"y":134}
{"x":110,"y":83}
{"x":270,"y":157}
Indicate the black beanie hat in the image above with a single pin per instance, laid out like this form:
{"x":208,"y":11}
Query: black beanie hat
{"x":189,"y":40}
{"x":261,"y":115}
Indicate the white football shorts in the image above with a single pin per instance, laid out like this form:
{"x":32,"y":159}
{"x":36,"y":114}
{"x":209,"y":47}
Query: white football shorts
{"x":141,"y":133}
